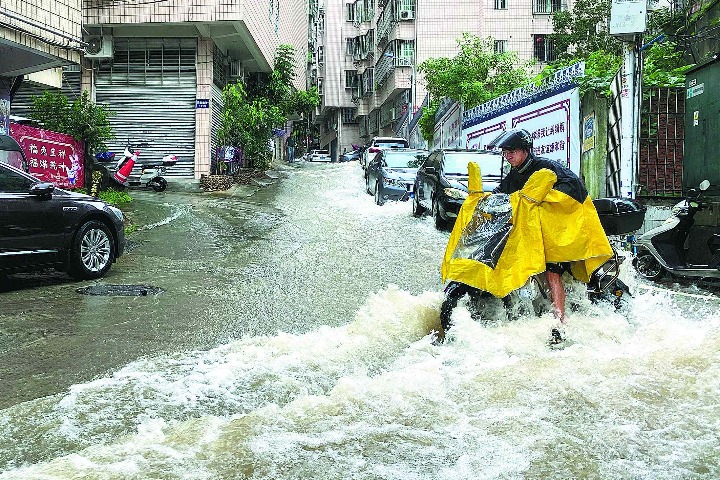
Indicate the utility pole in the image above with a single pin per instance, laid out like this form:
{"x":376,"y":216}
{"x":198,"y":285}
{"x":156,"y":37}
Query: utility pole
{"x":628,"y":19}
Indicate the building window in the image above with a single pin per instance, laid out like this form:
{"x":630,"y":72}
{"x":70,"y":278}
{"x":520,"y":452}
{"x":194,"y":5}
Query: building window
{"x":348,"y":115}
{"x":501,"y":4}
{"x":321,"y":56}
{"x":500,"y":46}
{"x":350,"y":78}
{"x":320,"y":86}
{"x":544,"y":50}
{"x":349,"y":12}
{"x":350,"y":46}
{"x":546,"y":7}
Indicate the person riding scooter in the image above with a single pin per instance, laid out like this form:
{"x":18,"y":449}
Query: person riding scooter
{"x":555,"y":229}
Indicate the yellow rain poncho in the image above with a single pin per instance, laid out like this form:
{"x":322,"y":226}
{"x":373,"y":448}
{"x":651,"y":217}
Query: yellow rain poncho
{"x":548,"y":226}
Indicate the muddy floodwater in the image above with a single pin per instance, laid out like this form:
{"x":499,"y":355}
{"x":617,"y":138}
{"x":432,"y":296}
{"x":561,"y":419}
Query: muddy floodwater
{"x":287,"y":333}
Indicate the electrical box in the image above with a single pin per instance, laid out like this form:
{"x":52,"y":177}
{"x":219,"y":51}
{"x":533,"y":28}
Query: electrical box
{"x":702,"y":124}
{"x":628,"y":17}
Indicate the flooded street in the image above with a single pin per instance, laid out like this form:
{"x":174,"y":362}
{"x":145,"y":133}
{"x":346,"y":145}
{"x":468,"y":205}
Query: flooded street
{"x":292,"y":340}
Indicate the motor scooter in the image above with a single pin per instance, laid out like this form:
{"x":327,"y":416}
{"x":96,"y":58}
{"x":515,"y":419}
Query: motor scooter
{"x":676,"y":247}
{"x":151,"y":173}
{"x":618,"y":216}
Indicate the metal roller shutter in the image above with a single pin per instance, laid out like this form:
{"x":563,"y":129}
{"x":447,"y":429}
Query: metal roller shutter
{"x":150,"y":85}
{"x":23,"y":99}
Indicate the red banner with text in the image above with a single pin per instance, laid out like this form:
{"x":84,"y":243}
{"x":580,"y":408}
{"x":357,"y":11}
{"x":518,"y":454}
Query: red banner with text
{"x":53,"y":157}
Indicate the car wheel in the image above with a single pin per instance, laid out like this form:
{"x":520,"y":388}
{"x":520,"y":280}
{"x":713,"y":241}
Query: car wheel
{"x":92,"y":251}
{"x":378,"y":196}
{"x":417,"y":209}
{"x":648,"y":267}
{"x":440,"y":223}
{"x":159,"y":184}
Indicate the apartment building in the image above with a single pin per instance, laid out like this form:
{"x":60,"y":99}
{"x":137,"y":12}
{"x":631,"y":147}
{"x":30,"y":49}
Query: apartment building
{"x":365,"y":63}
{"x":159,"y":65}
{"x":35,"y":36}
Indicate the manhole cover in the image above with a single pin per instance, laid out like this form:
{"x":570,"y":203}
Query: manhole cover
{"x":120,"y":290}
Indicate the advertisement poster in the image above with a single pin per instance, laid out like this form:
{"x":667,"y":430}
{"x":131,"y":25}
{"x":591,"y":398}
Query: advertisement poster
{"x":550,"y":112}
{"x":588,"y":132}
{"x":52,"y":157}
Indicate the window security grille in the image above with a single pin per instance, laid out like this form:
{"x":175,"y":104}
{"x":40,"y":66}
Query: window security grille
{"x":546,"y":7}
{"x":500,"y":46}
{"x":348,"y":115}
{"x":350,"y":78}
{"x":544,"y":50}
{"x":501,"y":4}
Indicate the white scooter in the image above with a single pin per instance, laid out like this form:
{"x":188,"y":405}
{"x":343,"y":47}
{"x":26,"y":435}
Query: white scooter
{"x":677,"y":248}
{"x":151,"y":173}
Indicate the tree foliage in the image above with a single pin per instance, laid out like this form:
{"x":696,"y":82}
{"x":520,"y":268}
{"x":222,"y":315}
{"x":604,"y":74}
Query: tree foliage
{"x":582,"y":34}
{"x":248,"y":122}
{"x":475,"y":75}
{"x":251,"y":112}
{"x":81,"y":118}
{"x":584,"y":30}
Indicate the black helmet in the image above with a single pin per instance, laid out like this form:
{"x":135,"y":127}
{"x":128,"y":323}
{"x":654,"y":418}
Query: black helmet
{"x":513,"y":139}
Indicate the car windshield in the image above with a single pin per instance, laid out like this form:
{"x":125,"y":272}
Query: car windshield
{"x":456,"y":163}
{"x":402,"y":160}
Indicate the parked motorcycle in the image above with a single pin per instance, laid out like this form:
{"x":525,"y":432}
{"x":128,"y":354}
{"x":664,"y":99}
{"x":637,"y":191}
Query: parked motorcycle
{"x":676,"y":248}
{"x":618,"y":216}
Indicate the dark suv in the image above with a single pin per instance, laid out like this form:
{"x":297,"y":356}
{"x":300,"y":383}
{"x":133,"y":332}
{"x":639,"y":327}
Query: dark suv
{"x":43,"y":226}
{"x":441,"y":181}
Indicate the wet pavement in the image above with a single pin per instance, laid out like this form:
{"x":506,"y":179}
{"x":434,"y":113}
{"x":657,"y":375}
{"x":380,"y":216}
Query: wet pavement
{"x":292,"y":340}
{"x":190,"y":244}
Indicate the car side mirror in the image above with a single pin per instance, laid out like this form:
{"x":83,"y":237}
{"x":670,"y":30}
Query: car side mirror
{"x":41,"y":189}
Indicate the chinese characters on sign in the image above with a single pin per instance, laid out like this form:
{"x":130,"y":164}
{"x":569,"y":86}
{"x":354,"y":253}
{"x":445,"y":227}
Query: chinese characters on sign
{"x":541,"y":146}
{"x":52,"y":157}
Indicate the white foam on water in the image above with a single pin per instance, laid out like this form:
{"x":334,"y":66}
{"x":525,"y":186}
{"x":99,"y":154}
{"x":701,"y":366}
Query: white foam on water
{"x":377,"y":399}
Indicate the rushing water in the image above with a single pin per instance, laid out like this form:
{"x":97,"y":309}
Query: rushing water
{"x":370,"y":396}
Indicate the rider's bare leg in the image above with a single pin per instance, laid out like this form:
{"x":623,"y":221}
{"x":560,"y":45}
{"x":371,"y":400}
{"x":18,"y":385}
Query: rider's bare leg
{"x":557,"y":294}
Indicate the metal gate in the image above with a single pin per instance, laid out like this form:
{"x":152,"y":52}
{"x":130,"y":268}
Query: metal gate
{"x":150,"y":85}
{"x":662,"y":120}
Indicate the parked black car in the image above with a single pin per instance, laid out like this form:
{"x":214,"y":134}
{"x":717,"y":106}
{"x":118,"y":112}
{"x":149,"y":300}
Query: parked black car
{"x":441,"y":182}
{"x":391,"y":174}
{"x":43,"y":226}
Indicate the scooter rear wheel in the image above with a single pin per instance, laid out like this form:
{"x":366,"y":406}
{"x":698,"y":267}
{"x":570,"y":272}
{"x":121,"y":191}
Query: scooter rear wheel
{"x":159,"y":184}
{"x":648,"y":267}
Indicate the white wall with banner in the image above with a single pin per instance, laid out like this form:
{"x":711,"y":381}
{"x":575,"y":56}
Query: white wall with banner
{"x":550,"y":112}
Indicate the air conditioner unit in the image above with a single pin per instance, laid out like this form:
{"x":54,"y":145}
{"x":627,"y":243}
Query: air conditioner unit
{"x":235,"y":69}
{"x":407,"y":14}
{"x":99,"y":47}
